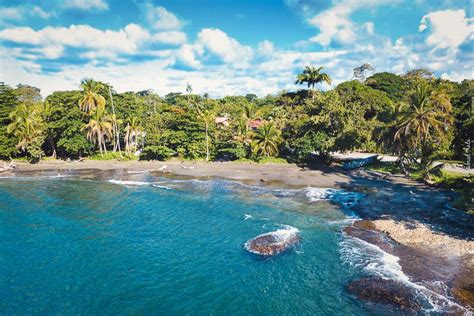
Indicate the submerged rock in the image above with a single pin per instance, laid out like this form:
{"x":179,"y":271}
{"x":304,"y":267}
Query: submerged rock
{"x":383,"y":291}
{"x":272,"y":243}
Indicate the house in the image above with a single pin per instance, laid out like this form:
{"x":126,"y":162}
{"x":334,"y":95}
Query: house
{"x":256,"y":123}
{"x":222,"y":121}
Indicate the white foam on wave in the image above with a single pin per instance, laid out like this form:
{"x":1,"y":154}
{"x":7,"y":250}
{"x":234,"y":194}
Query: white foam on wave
{"x":161,"y":187}
{"x":375,"y":261}
{"x":283,"y":235}
{"x":343,"y":197}
{"x":127,"y":182}
{"x":247,"y":216}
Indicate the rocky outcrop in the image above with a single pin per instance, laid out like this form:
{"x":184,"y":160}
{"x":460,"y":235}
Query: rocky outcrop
{"x":273,"y":243}
{"x":383,"y":291}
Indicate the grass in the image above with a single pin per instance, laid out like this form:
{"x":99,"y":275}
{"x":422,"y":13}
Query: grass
{"x":113,"y":156}
{"x":391,"y":167}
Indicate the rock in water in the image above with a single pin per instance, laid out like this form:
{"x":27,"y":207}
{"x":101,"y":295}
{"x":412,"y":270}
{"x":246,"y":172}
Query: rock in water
{"x":272,"y":243}
{"x":383,"y":291}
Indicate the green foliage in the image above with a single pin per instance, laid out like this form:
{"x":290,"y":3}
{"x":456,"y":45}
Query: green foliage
{"x":312,"y":76}
{"x":393,"y":85}
{"x":8,"y":102}
{"x":110,"y":155}
{"x":157,"y":153}
{"x":272,"y":160}
{"x":66,"y":123}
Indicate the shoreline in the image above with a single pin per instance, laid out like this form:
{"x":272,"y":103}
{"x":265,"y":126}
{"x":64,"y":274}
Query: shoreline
{"x":275,"y":175}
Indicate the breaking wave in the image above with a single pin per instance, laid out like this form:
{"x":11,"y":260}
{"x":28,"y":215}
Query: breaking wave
{"x":377,"y":262}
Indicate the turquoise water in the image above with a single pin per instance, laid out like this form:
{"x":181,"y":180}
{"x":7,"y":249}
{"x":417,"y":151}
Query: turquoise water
{"x":177,"y":247}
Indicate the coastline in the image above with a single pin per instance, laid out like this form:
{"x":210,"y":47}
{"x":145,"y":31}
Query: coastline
{"x":426,"y":246}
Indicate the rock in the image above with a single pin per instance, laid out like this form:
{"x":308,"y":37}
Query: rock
{"x":364,"y":224}
{"x":273,"y":243}
{"x":383,"y":291}
{"x":465,"y":295}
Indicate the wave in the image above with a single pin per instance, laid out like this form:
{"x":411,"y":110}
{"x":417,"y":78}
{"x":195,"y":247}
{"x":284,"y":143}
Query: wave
{"x":273,"y":242}
{"x":247,"y":216}
{"x":127,"y":183}
{"x":161,"y":187}
{"x":343,"y":197}
{"x":375,"y":261}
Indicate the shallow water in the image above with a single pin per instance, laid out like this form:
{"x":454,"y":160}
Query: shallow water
{"x":177,"y":247}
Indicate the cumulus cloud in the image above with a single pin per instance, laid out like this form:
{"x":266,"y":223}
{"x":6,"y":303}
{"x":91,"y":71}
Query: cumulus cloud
{"x":335,"y":24}
{"x":161,"y":19}
{"x":10,"y":15}
{"x":51,"y":41}
{"x":265,"y":48}
{"x":86,"y":4}
{"x":448,"y":28}
{"x":228,"y":49}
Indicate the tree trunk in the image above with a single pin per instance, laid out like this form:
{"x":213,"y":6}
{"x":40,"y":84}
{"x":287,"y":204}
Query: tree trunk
{"x":52,"y":146}
{"x":100,"y":144}
{"x":116,"y":136}
{"x":207,"y":142}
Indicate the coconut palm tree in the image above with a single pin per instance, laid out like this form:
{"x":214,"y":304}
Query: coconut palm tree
{"x":99,"y":129}
{"x":91,"y":99}
{"x":266,"y":140}
{"x":312,"y":76}
{"x":424,"y":123}
{"x":25,"y":124}
{"x":132,"y":133}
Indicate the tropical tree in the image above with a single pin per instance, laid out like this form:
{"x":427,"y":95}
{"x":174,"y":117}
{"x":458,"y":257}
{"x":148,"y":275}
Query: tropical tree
{"x":266,"y":140}
{"x":206,"y":114}
{"x":99,"y":128}
{"x":27,"y":126}
{"x":91,"y":99}
{"x":423,"y":126}
{"x":132,"y":134}
{"x":312,"y":76}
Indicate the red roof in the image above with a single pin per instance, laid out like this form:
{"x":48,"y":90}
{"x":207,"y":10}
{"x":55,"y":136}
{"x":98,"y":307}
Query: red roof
{"x":256,"y":123}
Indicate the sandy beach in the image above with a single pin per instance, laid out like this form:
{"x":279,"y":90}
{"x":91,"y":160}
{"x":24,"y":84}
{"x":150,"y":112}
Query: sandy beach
{"x":288,"y":175}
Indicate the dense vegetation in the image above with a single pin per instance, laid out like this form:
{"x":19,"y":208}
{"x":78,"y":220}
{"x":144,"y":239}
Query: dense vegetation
{"x":415,"y":116}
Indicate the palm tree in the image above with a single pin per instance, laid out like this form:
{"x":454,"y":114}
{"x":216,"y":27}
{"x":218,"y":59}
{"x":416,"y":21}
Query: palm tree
{"x":27,"y":126}
{"x":266,"y":140}
{"x":132,"y":132}
{"x":205,"y":113}
{"x":312,"y":76}
{"x":91,"y":99}
{"x":424,"y":123}
{"x":99,"y":129}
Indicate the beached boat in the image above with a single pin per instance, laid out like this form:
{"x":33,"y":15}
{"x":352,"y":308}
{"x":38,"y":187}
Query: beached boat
{"x":357,"y":163}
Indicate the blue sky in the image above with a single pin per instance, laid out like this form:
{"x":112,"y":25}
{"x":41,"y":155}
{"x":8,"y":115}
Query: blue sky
{"x":227,"y":47}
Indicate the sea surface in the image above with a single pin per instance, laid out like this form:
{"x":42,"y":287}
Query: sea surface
{"x":163,"y":246}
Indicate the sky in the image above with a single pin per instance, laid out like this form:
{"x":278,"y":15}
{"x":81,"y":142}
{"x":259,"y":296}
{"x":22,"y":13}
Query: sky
{"x":227,"y":47}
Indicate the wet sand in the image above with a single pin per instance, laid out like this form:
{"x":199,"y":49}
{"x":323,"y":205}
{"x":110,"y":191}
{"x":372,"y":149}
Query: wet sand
{"x":287,"y":175}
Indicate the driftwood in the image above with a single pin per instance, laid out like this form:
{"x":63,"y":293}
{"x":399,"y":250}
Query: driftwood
{"x":10,"y":166}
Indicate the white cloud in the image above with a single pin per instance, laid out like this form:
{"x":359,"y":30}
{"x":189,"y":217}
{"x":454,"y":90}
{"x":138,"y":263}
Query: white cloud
{"x":335,"y":23}
{"x":10,"y":14}
{"x":51,"y":41}
{"x":449,"y":28}
{"x":37,"y":11}
{"x":20,"y":13}
{"x":161,"y":19}
{"x":86,"y":4}
{"x":265,"y":48}
{"x":228,"y":49}
{"x":171,"y":37}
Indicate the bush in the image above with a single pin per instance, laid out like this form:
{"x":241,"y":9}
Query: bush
{"x":156,"y":153}
{"x":235,"y":151}
{"x":275,"y":160}
{"x":111,"y":155}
